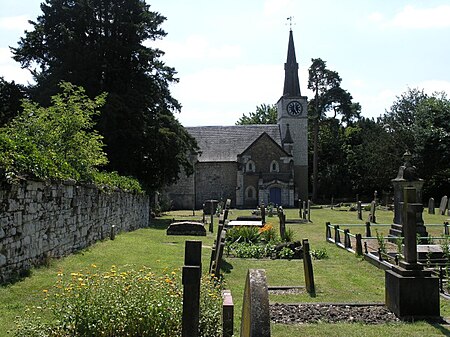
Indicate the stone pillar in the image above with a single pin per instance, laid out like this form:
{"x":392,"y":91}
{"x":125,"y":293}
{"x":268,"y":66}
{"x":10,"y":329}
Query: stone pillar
{"x":431,"y":206}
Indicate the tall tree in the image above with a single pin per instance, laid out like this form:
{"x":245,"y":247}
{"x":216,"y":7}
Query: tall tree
{"x":264,"y":114}
{"x":103,"y":45}
{"x":11,"y":95}
{"x":328,"y":97}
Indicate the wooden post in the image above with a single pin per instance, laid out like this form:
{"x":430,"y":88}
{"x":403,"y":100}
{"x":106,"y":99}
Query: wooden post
{"x":282,"y":218}
{"x":446,"y":231}
{"x":308,"y":269}
{"x":191,"y":275}
{"x":309,"y":210}
{"x":263,"y":214}
{"x":359,"y":250}
{"x":337,"y":236}
{"x":211,"y":224}
{"x":327,"y":230}
{"x":347,"y":242}
{"x":227,"y":314}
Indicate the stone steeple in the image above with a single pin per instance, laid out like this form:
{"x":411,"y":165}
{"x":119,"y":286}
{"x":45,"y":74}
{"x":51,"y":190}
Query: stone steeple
{"x":291,"y":81}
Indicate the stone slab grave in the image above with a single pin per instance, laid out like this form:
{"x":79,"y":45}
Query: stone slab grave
{"x":186,"y":228}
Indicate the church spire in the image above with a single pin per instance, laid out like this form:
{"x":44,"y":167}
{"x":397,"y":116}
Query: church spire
{"x":291,"y":82}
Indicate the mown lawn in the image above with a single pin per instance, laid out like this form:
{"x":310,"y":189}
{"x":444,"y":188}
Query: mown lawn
{"x":342,"y":277}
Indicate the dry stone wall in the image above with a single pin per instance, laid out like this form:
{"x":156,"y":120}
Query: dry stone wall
{"x":39,"y":220}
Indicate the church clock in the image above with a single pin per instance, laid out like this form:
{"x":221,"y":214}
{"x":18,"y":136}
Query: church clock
{"x":294,"y":108}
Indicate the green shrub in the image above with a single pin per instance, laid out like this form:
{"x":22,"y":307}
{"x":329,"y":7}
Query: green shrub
{"x":289,"y":235}
{"x":319,"y":254}
{"x":285,"y":253}
{"x":119,"y":303}
{"x":243,"y":234}
{"x":58,"y":142}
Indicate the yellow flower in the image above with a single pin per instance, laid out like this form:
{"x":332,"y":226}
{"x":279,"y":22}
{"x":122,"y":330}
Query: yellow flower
{"x":45,"y":291}
{"x":93,"y":266}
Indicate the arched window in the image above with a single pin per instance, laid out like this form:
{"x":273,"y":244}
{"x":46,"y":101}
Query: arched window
{"x":250,"y":192}
{"x":251,"y":167}
{"x":274,"y":166}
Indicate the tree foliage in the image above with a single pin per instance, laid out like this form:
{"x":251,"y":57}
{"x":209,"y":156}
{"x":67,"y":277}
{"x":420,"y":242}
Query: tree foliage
{"x":11,"y":95}
{"x":264,"y":114}
{"x":105,"y":46}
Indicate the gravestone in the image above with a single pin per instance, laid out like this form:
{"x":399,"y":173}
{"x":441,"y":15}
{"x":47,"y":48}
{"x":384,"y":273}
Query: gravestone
{"x":411,"y":292}
{"x":431,"y":206}
{"x":304,"y":210}
{"x":192,"y":271}
{"x":359,"y":208}
{"x":443,"y":205}
{"x":309,"y":210}
{"x":308,"y":269}
{"x":372,"y":215}
{"x":255,"y":308}
{"x":282,"y":218}
{"x":186,"y":228}
{"x":227,"y":314}
{"x":448,"y":207}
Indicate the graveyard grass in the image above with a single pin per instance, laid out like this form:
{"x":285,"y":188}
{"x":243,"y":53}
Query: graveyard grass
{"x":343,"y":277}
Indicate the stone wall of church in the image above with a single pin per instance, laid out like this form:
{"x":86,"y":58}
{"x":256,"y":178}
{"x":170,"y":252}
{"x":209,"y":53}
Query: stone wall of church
{"x":216,"y":180}
{"x":181,"y":194}
{"x":39,"y":220}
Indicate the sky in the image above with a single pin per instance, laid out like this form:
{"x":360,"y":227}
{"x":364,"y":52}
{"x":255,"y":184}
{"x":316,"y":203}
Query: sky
{"x":229,"y":55}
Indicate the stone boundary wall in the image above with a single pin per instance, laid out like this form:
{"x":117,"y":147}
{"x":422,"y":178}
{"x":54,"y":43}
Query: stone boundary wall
{"x":41,"y":220}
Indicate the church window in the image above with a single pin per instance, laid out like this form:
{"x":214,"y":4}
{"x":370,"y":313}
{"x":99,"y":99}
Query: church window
{"x":274,"y":166}
{"x":250,"y":192}
{"x":251,"y":167}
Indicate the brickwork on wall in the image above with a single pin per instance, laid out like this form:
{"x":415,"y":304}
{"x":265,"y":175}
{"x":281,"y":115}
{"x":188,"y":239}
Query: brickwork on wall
{"x":39,"y":220}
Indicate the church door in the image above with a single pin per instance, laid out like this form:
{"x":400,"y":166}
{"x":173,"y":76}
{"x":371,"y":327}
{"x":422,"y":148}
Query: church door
{"x":275,"y":195}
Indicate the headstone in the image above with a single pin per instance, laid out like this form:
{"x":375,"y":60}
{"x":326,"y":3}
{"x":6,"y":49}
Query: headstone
{"x":359,"y":208}
{"x":186,"y":228}
{"x":191,"y":275}
{"x":255,"y":308}
{"x":431,"y":206}
{"x":227,"y":314}
{"x":443,"y":205}
{"x":304,"y":210}
{"x":300,"y":208}
{"x":372,"y":215}
{"x":448,"y":207}
{"x":308,"y":269}
{"x":332,"y":203}
{"x":263,"y":214}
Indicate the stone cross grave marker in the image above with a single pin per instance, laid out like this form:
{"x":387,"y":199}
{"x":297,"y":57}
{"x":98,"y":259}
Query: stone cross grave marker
{"x":255,"y":308}
{"x":443,"y":205}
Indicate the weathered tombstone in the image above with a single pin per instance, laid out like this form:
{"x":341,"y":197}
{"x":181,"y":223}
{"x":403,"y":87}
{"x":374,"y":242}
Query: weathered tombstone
{"x":304,"y":210}
{"x":411,"y":292}
{"x":215,"y":247}
{"x":332,"y":203}
{"x":227,"y":314}
{"x":191,"y":275}
{"x":368,"y":231}
{"x":359,"y":208}
{"x":215,"y":270}
{"x":186,"y":228}
{"x":211,"y":222}
{"x":443,"y":205}
{"x":308,"y":269}
{"x":431,"y":206}
{"x":263,"y":214}
{"x":112,"y":235}
{"x":359,"y":250}
{"x":372,"y":215}
{"x":255,"y":308}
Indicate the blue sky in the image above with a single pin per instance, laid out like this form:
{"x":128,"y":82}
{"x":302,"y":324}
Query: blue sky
{"x":230,"y":54}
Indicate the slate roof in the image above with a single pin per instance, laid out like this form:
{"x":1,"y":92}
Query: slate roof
{"x":224,"y":143}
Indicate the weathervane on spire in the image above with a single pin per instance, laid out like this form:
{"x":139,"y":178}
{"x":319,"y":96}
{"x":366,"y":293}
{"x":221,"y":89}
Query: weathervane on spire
{"x":291,"y":22}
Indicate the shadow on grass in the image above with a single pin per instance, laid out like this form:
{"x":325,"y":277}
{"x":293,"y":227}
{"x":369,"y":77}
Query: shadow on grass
{"x":160,"y":223}
{"x":226,"y":267}
{"x":443,"y":329}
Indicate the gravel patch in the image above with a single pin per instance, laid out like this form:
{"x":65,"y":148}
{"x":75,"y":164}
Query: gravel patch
{"x":330,"y":313}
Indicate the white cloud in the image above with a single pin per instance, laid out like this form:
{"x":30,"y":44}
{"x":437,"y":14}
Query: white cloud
{"x":376,"y":17}
{"x":19,"y":22}
{"x":412,"y":17}
{"x":10,"y":70}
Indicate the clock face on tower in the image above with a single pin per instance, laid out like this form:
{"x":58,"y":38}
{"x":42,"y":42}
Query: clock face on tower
{"x":294,"y":108}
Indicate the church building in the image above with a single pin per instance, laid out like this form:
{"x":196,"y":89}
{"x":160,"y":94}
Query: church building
{"x":252,"y":164}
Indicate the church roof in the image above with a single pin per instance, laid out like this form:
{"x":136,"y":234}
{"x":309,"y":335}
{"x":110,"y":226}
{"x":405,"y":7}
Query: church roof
{"x":225,"y":143}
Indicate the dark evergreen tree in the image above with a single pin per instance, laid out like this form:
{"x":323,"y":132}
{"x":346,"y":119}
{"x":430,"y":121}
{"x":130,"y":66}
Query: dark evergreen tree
{"x":11,"y":95}
{"x":105,"y":46}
